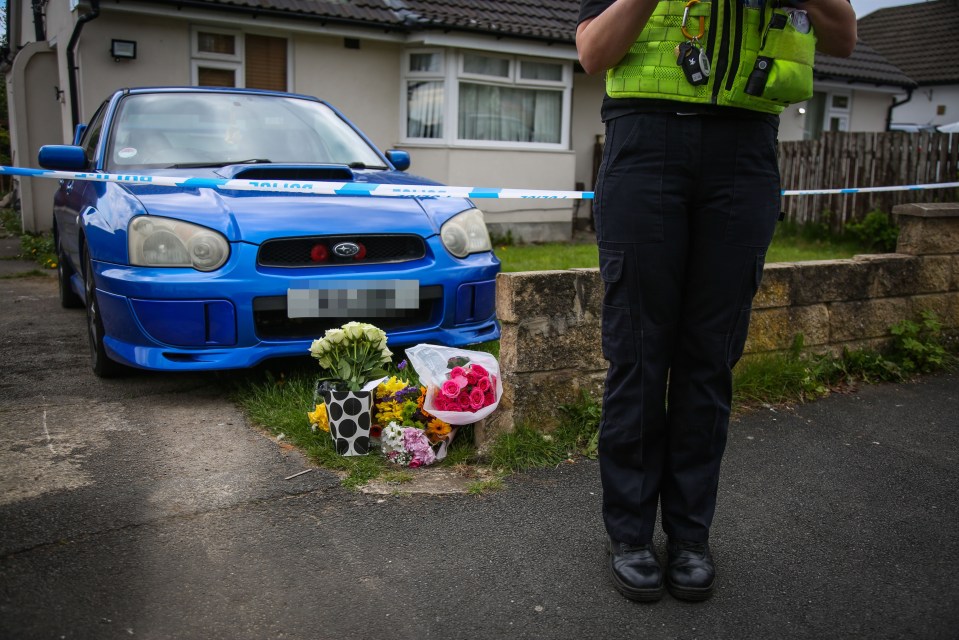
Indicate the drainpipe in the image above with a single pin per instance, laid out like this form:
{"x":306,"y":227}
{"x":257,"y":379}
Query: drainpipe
{"x":38,"y":27}
{"x":896,"y":104}
{"x":72,"y":68}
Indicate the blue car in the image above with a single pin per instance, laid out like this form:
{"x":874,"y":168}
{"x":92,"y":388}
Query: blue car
{"x":179,"y":278}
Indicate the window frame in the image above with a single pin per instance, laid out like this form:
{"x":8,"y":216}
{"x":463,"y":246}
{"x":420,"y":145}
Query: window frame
{"x":236,"y":61}
{"x":239,"y":73}
{"x":451,"y":74}
{"x":236,"y":57}
{"x":511,"y":68}
{"x":842,"y":115}
{"x":535,"y":82}
{"x":223,"y":61}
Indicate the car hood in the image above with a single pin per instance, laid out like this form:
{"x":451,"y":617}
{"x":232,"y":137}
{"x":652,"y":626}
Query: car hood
{"x":256,"y":216}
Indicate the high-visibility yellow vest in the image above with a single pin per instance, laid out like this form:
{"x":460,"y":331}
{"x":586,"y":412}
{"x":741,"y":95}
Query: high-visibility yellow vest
{"x":735,"y":35}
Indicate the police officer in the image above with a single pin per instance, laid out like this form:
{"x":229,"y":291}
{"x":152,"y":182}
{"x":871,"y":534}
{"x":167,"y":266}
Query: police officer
{"x":687,"y":197}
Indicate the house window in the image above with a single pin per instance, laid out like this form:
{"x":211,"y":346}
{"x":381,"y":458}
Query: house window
{"x":208,"y":76}
{"x":837,"y":115}
{"x":826,"y":111}
{"x":838,"y":123}
{"x":425,"y":95}
{"x":216,"y":44}
{"x":224,"y":58}
{"x":840,"y":102}
{"x":476,"y":98}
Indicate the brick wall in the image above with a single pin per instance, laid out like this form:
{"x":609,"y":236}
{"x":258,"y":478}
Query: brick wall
{"x":550,"y":345}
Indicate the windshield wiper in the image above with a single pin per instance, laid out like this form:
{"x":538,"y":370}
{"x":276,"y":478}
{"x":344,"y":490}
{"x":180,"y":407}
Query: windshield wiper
{"x":203,"y":165}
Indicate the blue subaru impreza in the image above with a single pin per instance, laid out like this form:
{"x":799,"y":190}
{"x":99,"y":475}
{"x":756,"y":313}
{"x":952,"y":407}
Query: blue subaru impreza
{"x":196,"y":277}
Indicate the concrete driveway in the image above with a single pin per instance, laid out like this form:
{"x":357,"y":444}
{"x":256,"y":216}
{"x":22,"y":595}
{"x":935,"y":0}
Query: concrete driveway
{"x":148,"y":507}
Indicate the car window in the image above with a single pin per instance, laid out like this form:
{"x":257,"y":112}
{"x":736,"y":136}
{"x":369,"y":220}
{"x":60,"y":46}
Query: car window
{"x":213,"y":129}
{"x":91,"y":136}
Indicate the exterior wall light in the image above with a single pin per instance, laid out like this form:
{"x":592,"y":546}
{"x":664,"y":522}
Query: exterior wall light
{"x":123,"y":49}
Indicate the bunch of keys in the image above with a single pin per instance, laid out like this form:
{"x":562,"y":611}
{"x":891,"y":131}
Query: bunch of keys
{"x":689,"y":55}
{"x":694,"y":62}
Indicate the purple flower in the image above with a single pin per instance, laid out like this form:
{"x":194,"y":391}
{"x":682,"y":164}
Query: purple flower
{"x":404,"y":393}
{"x":402,"y":364}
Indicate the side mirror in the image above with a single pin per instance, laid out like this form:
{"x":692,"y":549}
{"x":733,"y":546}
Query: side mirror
{"x":62,"y":157}
{"x":399,"y":159}
{"x":78,"y":133}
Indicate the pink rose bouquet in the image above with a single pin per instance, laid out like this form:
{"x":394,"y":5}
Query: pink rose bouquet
{"x":462,"y":386}
{"x":468,"y":388}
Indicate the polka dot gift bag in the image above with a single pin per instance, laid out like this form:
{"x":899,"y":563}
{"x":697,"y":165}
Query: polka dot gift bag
{"x":348,"y":416}
{"x":351,"y":359}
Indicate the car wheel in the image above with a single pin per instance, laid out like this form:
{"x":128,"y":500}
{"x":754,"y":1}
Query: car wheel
{"x":101,"y":363}
{"x":68,"y":297}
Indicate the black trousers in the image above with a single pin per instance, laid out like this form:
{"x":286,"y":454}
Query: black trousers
{"x":685,"y":209}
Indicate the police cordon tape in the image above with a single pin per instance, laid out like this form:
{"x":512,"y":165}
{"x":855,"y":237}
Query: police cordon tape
{"x":382,"y":190}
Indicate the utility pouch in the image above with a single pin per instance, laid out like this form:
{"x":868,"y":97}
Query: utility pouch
{"x":792,"y":52}
{"x":779,"y":50}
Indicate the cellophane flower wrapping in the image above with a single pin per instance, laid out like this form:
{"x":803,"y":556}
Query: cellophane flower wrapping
{"x":462,"y":386}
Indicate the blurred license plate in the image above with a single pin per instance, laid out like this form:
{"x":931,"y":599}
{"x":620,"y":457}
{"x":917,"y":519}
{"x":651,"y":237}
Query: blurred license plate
{"x":364,"y":298}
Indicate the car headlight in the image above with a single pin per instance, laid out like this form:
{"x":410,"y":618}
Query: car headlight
{"x":466,"y":233}
{"x":164,"y":242}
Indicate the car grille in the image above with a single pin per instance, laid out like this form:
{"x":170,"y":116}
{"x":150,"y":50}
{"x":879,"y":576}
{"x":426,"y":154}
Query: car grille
{"x":271,"y":322}
{"x":296,"y":252}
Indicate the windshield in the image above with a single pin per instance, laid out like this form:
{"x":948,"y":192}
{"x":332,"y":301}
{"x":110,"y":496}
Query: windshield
{"x":214,"y":129}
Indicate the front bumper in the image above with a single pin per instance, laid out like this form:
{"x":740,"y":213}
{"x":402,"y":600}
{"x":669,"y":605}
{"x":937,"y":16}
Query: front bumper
{"x":181,"y":319}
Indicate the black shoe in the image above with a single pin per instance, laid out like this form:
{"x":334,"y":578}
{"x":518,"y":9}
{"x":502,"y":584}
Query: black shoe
{"x":635,"y":571}
{"x":690,"y":574}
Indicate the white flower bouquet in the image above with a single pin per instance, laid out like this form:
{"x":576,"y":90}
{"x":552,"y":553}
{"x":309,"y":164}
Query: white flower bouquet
{"x":352,"y":355}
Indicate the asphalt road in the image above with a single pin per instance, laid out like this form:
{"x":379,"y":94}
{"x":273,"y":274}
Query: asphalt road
{"x":149,"y":507}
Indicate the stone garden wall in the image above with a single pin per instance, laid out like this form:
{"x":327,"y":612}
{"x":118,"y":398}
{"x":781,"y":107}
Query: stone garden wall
{"x":550,"y":345}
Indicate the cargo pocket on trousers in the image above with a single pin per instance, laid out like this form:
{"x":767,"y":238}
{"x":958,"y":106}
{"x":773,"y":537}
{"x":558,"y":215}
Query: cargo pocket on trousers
{"x":617,"y":323}
{"x":737,"y":342}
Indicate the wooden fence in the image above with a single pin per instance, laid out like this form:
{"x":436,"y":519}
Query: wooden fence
{"x":865,"y":159}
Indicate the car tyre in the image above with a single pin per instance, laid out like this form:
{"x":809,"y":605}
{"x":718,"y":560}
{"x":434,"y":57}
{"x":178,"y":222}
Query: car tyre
{"x":101,"y":363}
{"x":68,"y":297}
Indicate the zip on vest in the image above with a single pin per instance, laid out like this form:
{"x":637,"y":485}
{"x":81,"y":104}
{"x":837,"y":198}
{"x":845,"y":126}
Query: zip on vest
{"x":740,"y":12}
{"x":721,"y":65}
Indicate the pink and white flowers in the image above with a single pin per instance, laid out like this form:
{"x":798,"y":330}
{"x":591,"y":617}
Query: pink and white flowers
{"x":407,"y":446}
